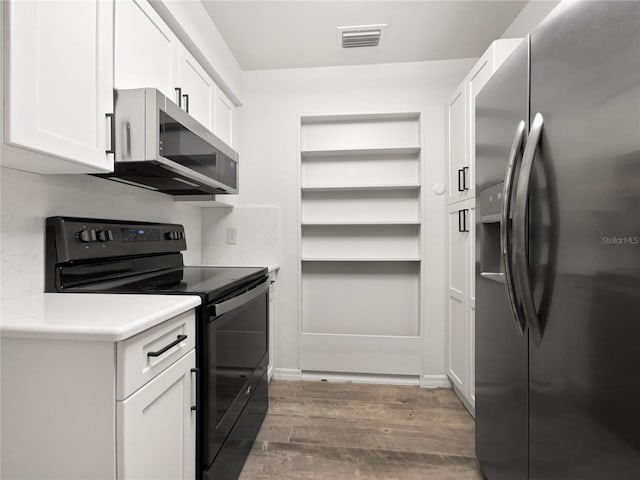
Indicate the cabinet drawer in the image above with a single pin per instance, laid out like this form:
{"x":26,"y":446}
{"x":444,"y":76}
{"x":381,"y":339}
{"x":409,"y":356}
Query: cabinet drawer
{"x":144,"y":356}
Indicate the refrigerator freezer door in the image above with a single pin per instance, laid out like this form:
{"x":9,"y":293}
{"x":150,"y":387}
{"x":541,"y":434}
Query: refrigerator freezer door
{"x":584,"y":243}
{"x":501,"y":349}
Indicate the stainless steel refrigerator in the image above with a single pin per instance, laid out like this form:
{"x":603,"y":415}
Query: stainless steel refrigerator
{"x":558,"y":249}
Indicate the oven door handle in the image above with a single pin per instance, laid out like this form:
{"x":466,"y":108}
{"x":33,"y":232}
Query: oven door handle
{"x":235,"y":302}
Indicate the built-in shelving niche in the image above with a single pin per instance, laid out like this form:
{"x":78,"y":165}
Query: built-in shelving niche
{"x":360,"y":242}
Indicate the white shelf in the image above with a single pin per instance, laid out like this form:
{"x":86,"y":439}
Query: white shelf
{"x":339,"y":188}
{"x":360,"y":240}
{"x":360,"y":152}
{"x":363,"y":223}
{"x":353,"y":259}
{"x":359,"y":117}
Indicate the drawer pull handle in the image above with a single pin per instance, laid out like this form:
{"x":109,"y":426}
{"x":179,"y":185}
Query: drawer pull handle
{"x":179,"y":338}
{"x":196,"y":371}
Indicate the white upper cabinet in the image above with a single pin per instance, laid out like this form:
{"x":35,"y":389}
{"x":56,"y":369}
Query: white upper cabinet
{"x":58,"y":86}
{"x":198,"y":90}
{"x":457,"y":144}
{"x":478,"y":77}
{"x":147,"y":52}
{"x":461,"y":115}
{"x":224,"y":112}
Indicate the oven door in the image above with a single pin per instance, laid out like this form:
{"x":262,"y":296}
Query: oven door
{"x":235,"y":358}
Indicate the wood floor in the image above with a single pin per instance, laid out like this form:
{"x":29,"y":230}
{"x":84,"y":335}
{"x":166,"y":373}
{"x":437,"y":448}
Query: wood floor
{"x":320,"y":430}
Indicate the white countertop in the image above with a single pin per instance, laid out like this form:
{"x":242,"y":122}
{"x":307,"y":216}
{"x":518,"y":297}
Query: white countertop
{"x":88,"y":316}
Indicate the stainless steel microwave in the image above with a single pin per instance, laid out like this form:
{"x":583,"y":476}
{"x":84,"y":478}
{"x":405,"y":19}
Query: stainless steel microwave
{"x":159,"y":146}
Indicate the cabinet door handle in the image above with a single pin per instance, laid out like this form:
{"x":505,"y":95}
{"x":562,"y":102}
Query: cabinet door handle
{"x":460,"y":221}
{"x":464,"y":178}
{"x":460,"y":182}
{"x":112,"y":133}
{"x":186,"y":101}
{"x":465,"y":227}
{"x":196,"y":371}
{"x":179,"y":338}
{"x":179,"y":95}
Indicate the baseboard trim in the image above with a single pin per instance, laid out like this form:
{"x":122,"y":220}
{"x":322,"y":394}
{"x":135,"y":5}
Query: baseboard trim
{"x":424,"y":381}
{"x":360,"y":378}
{"x":465,"y":402}
{"x":435,"y":381}
{"x":269,"y":373}
{"x":291,"y":374}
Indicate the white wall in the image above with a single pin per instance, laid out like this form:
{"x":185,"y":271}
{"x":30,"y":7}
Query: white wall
{"x":530,"y":16}
{"x":26,"y":199}
{"x":268,"y":123}
{"x":257,"y":231}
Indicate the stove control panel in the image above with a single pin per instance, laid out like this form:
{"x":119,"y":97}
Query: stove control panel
{"x":70,"y":238}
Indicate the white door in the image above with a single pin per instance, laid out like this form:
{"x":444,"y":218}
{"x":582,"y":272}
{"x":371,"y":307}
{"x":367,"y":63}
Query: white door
{"x":60,"y":80}
{"x":147,"y":51}
{"x":198,"y":90}
{"x":456,"y":143}
{"x":156,"y":427}
{"x":457,"y":327}
{"x":224,"y":117}
{"x":478,"y":78}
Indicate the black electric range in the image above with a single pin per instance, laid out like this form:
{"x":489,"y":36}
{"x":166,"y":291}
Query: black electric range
{"x":111,"y":256}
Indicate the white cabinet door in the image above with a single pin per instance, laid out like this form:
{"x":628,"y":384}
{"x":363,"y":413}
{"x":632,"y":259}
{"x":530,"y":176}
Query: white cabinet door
{"x":224,"y":117}
{"x":198,"y":90}
{"x":147,"y":51}
{"x":457,"y":327}
{"x":456,"y":143}
{"x":470,"y":391}
{"x":59,"y":71}
{"x":272,"y":318}
{"x":477,"y":79}
{"x":156,"y":427}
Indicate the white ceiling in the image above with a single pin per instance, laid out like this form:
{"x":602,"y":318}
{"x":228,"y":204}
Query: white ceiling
{"x":289,"y":34}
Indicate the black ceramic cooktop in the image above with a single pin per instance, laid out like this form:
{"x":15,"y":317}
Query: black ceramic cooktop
{"x":211,"y":283}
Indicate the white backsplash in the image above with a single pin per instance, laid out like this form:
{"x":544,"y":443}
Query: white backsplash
{"x":257,"y":230}
{"x":27,"y":199}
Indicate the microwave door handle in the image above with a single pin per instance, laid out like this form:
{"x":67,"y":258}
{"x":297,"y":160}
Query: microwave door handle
{"x":235,"y":302}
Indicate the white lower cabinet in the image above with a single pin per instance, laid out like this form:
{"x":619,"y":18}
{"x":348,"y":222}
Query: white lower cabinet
{"x":272,"y":319}
{"x":460,"y":300}
{"x":157,"y":428}
{"x":93,"y":409}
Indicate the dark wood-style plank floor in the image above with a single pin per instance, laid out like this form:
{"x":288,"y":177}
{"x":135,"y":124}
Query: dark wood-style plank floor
{"x":336,"y":431}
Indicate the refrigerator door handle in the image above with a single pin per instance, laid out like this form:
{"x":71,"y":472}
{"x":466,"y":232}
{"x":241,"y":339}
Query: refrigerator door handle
{"x":505,"y":231}
{"x":520,"y":230}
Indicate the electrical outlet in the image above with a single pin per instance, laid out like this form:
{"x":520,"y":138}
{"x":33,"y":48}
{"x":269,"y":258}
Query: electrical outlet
{"x":232,"y":236}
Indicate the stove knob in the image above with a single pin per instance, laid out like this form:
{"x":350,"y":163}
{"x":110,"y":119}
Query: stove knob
{"x":180,"y":235}
{"x":104,"y":235}
{"x":86,"y":236}
{"x":171,"y":236}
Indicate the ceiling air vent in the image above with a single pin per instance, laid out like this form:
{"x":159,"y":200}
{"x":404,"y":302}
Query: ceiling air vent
{"x":361,"y":36}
